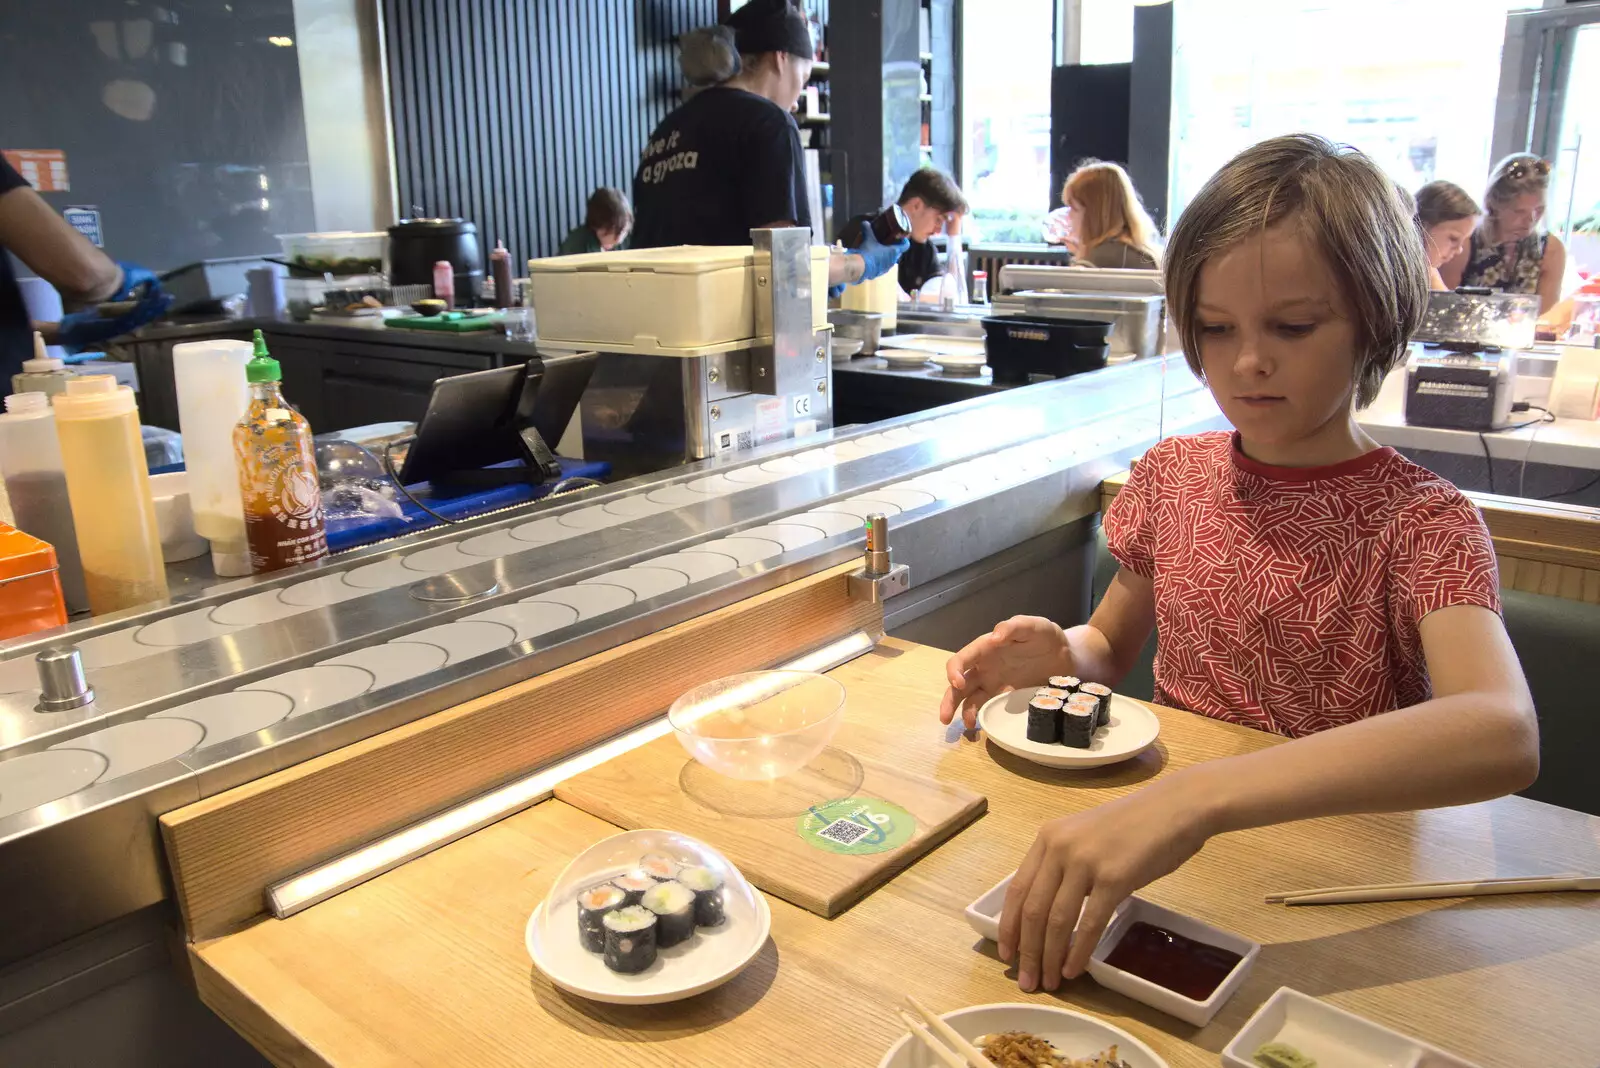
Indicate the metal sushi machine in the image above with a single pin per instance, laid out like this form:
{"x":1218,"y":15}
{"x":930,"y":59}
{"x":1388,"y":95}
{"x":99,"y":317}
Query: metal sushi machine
{"x":704,"y":350}
{"x":200,"y":694}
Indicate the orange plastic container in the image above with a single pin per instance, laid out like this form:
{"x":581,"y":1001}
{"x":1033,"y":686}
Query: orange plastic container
{"x":30,"y":588}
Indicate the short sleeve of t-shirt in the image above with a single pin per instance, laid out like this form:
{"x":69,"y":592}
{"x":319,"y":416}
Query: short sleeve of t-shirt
{"x":1129,"y":527}
{"x":1442,"y":557}
{"x":772,"y":159}
{"x":9,"y":178}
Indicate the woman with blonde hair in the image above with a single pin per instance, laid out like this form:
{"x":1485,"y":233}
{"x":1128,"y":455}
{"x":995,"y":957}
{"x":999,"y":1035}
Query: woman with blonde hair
{"x":1509,"y":251}
{"x":1102,"y":220}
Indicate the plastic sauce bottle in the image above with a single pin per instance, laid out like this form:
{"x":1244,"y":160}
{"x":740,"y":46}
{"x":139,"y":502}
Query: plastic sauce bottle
{"x":108,"y":483}
{"x":213,"y":396}
{"x":42,"y":374}
{"x":444,"y":283}
{"x":36,"y":482}
{"x":500,"y":268}
{"x":277,"y":463}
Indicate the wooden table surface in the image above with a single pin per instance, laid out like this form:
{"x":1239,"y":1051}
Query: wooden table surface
{"x":426,"y":966}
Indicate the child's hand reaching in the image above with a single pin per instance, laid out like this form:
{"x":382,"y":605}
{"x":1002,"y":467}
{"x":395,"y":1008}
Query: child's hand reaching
{"x":1022,"y":651}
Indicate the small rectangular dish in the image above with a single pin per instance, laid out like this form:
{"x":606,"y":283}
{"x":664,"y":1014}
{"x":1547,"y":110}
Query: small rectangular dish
{"x":1330,"y":1036}
{"x":983,"y":916}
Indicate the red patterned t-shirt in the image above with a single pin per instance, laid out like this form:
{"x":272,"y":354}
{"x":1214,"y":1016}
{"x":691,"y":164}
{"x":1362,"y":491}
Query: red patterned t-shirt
{"x":1288,"y":599}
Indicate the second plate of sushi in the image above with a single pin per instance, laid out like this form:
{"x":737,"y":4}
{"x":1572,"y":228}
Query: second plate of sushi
{"x":1069,"y":723}
{"x":646,"y":917}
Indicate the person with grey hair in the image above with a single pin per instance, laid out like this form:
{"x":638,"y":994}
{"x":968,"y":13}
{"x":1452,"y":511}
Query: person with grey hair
{"x":1508,"y":251}
{"x":729,"y":160}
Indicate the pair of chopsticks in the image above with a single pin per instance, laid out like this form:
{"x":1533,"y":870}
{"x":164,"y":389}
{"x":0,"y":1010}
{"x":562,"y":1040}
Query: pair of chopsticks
{"x":947,"y":1047}
{"x":1345,"y":895}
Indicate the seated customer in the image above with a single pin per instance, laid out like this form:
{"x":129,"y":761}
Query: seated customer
{"x":1102,"y":220}
{"x":606,"y":222}
{"x":933,"y":202}
{"x":1301,"y":578}
{"x":1510,"y":251}
{"x":1447,"y":215}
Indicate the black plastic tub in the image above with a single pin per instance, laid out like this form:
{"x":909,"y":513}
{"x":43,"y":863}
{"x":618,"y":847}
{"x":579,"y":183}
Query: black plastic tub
{"x":1020,"y":346}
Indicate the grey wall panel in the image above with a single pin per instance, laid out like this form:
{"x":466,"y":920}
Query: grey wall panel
{"x":510,"y":112}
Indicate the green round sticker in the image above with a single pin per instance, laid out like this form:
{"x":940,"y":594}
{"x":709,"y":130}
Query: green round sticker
{"x":857,"y":826}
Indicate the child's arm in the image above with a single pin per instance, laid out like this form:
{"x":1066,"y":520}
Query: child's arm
{"x":1477,"y":739}
{"x":1027,"y":650}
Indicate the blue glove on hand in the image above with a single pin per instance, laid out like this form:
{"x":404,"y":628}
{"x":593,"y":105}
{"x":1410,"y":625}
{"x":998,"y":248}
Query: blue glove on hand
{"x":134,"y":276}
{"x":87,"y":329}
{"x":880,"y":258}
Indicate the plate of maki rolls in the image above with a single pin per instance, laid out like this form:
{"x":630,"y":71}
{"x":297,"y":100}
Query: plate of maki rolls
{"x":1069,"y":723}
{"x":646,"y":917}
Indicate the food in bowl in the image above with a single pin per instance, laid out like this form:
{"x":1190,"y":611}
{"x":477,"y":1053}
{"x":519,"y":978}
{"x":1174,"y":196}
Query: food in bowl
{"x":429,"y":306}
{"x":657,"y":906}
{"x":1019,"y":1049}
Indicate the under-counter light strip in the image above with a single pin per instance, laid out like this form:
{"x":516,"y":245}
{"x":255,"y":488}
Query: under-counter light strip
{"x":319,"y":884}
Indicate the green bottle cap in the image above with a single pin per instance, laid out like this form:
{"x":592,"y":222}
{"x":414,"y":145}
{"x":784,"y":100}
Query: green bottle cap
{"x":262,"y":368}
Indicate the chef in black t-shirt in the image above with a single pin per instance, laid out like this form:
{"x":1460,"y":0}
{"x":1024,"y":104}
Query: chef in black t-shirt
{"x":729,"y":159}
{"x":32,"y":231}
{"x":933,"y":203}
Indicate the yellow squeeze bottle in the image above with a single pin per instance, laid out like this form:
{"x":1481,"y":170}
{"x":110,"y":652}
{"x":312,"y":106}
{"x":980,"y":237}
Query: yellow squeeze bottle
{"x":108,"y":485}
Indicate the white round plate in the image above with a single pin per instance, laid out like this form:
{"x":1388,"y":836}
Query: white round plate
{"x":956,"y":363}
{"x":938,"y":343}
{"x":1132,"y":730}
{"x":1073,"y":1033}
{"x":712,"y":957}
{"x":902,"y":357}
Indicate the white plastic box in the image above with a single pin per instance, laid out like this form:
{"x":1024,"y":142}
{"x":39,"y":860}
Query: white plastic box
{"x":664,"y":301}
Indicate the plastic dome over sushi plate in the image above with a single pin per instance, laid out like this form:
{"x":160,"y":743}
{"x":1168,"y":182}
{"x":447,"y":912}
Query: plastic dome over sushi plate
{"x":646,"y":917}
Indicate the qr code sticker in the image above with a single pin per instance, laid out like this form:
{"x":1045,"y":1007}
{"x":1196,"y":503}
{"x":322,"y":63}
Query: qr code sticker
{"x":747,"y":439}
{"x":724,"y":441}
{"x":845,"y":832}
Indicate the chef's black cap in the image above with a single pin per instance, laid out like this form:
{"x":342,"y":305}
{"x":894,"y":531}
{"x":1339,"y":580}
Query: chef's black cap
{"x":771,"y":26}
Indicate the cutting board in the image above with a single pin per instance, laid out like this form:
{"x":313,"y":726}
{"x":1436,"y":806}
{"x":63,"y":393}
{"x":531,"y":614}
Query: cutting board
{"x":448,"y":326}
{"x":769,"y":830}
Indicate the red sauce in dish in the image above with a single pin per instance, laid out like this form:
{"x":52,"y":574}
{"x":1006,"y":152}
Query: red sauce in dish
{"x":1180,"y":964}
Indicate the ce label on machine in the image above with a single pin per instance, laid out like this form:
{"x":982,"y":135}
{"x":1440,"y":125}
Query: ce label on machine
{"x":800,"y":405}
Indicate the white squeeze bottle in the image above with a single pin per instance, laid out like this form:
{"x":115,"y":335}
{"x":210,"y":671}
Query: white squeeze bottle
{"x":42,"y":374}
{"x":108,"y":483}
{"x":213,"y":394}
{"x":36,"y":482}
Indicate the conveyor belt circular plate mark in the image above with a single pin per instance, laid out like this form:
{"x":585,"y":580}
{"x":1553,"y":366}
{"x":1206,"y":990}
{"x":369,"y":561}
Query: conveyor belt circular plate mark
{"x":595,"y":517}
{"x":493,"y":546}
{"x":782,"y":466}
{"x":142,"y":743}
{"x":791,"y":535}
{"x":644,"y":581}
{"x":832,"y":522}
{"x":942,"y":486}
{"x":815,"y":459}
{"x":590,"y":599}
{"x":751,"y":476}
{"x":859,"y":508}
{"x":109,"y":650}
{"x":714,"y":486}
{"x":320,"y":592}
{"x":677,"y":495}
{"x":317,"y":687}
{"x":185,"y":628}
{"x":39,"y":778}
{"x":846,"y":451}
{"x":438,"y":559}
{"x":541,"y":531}
{"x":393,"y":662}
{"x":465,"y":639}
{"x":454,"y":587}
{"x":902,"y":434}
{"x":254,"y":610}
{"x":383,"y":575}
{"x":901,"y":497}
{"x":697,"y":565}
{"x":745,"y":550}
{"x":19,"y":675}
{"x":635,"y":506}
{"x":531,"y":618}
{"x":232,"y":715}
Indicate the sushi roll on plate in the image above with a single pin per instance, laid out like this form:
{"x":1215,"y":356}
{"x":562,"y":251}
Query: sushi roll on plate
{"x":707,"y":887}
{"x":630,"y":945}
{"x":634,"y":884}
{"x":1077,"y":726}
{"x":1068,"y":683}
{"x":1102,"y":696}
{"x":673,"y":905}
{"x":1052,"y":691}
{"x":659,"y":867}
{"x":1044,"y":720}
{"x":594,"y":904}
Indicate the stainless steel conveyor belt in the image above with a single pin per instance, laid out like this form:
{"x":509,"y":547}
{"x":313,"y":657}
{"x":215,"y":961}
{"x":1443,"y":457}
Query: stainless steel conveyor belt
{"x":253,"y":675}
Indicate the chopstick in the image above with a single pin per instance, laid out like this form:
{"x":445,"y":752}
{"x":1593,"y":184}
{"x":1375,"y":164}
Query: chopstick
{"x":1418,"y":892}
{"x":942,"y":1053}
{"x":964,"y":1052}
{"x":1283,"y":895}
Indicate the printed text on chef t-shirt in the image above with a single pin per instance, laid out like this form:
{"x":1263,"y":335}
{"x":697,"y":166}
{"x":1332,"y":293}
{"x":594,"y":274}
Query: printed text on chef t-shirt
{"x":654,"y":169}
